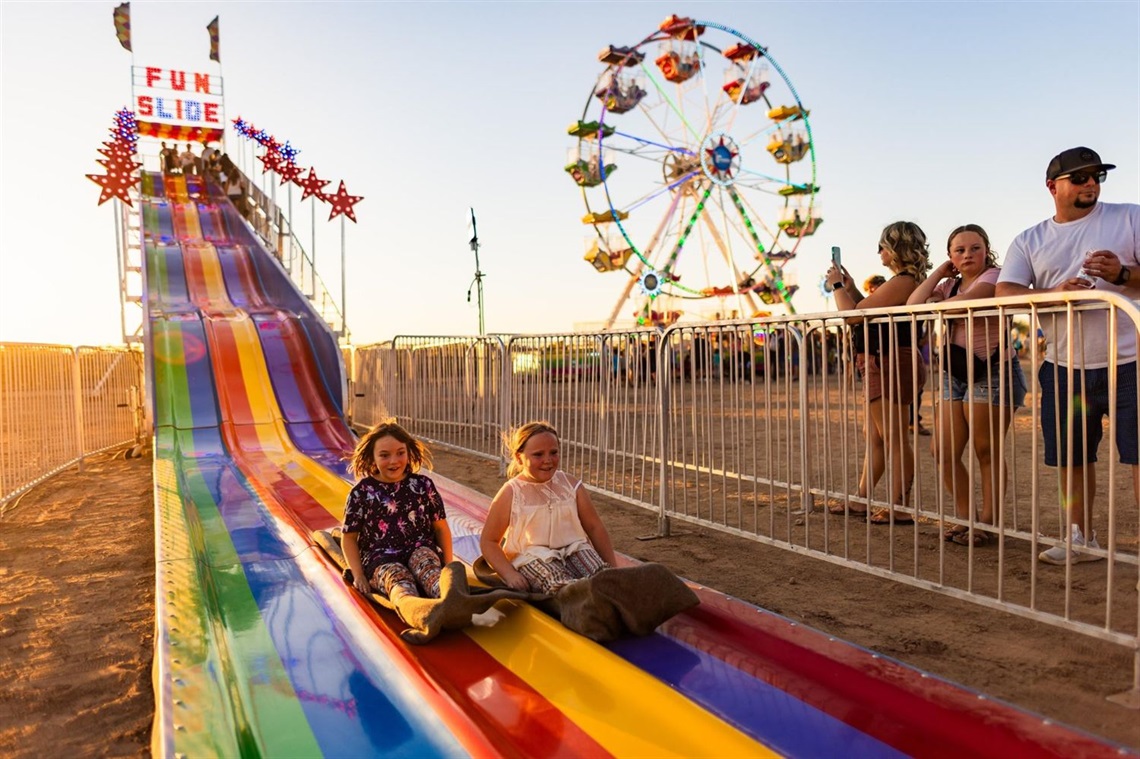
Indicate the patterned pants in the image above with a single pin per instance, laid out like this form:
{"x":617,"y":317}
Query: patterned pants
{"x":423,"y":569}
{"x":551,"y":576}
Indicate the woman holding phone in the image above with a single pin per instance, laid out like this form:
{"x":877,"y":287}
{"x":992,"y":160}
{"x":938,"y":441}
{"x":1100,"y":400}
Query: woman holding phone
{"x":888,"y":361}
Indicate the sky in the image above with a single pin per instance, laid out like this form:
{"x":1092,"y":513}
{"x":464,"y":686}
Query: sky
{"x":942,"y":113}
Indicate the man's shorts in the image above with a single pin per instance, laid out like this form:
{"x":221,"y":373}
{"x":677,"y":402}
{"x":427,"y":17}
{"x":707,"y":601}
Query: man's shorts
{"x":988,"y":389}
{"x":1057,"y":402}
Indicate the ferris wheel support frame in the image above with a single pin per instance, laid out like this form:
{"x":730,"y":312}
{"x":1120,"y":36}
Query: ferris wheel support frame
{"x":641,"y":264}
{"x":728,"y":260}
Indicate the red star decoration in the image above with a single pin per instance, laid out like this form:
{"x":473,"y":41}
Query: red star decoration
{"x":116,"y":149}
{"x":342,"y":203}
{"x":312,"y":185}
{"x":115,"y":184}
{"x":271,"y":161}
{"x":119,"y":162}
{"x":119,"y":165}
{"x":289,"y":171}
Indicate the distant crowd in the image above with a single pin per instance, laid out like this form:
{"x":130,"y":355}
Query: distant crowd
{"x":212,"y":165}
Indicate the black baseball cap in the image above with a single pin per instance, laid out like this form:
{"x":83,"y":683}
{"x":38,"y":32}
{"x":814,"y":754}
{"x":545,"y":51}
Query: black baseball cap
{"x":1075,"y":159}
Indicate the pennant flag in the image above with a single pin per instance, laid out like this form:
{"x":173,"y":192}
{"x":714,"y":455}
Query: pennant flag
{"x":212,"y":28}
{"x":122,"y":18}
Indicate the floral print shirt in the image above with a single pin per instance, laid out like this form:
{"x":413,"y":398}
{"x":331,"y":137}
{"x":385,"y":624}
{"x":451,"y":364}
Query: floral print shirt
{"x":393,"y":518}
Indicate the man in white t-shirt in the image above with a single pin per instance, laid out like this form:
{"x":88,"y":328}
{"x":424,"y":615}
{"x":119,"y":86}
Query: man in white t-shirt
{"x":1102,"y":242}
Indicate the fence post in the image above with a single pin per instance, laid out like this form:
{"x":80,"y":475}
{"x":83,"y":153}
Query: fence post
{"x":807,"y":502}
{"x":664,"y":399}
{"x":77,"y":390}
{"x":505,"y":398}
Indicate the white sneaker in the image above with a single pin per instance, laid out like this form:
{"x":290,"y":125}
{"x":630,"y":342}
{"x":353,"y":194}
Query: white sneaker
{"x":1058,"y":554}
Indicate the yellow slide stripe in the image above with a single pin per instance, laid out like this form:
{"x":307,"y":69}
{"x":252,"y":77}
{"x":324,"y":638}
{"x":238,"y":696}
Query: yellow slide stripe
{"x":628,"y":712}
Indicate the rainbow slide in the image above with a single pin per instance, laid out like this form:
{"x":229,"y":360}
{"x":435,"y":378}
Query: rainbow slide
{"x":262,"y":649}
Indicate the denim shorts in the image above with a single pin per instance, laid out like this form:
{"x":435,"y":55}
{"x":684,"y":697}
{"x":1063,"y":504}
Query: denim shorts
{"x":1058,"y":403}
{"x":989,"y":389}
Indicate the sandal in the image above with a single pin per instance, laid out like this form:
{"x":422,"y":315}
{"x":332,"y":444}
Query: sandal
{"x":883,"y":516}
{"x":839,"y":510}
{"x":953,"y":532}
{"x":978,"y":540}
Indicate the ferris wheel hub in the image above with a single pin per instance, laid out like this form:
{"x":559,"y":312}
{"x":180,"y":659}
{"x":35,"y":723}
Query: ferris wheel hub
{"x":720,"y":158}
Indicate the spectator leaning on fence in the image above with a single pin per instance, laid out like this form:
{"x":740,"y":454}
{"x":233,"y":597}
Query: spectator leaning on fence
{"x":971,"y":368}
{"x":1050,"y":257}
{"x":890,"y":365}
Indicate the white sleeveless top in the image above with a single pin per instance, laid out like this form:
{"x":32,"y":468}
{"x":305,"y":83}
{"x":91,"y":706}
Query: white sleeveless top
{"x":544,"y":520}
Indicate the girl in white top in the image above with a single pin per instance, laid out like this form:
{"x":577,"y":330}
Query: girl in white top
{"x":542,"y":531}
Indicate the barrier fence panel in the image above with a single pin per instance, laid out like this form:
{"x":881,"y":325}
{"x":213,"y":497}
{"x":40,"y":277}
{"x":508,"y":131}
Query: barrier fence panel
{"x":59,"y":404}
{"x":600,"y":392}
{"x":446,"y":390}
{"x":733,"y":436}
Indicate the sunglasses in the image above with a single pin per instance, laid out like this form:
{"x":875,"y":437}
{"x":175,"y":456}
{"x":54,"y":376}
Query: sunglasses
{"x":1080,"y":177}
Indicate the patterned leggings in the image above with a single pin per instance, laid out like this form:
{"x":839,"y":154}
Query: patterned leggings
{"x":551,"y":576}
{"x":423,"y":569}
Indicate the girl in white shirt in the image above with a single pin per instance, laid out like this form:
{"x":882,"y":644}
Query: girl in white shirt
{"x":542,"y":531}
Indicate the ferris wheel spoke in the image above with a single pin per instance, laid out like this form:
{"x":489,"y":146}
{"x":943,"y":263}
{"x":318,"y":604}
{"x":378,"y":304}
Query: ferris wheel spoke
{"x":665,"y":97}
{"x":709,"y":110}
{"x":739,"y":101}
{"x":774,"y":127}
{"x":671,"y":148}
{"x":662,"y":191}
{"x":779,"y":180}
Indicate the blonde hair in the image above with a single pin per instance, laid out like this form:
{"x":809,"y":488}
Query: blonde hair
{"x":906,"y":242}
{"x":872,"y":282}
{"x":362,"y":462}
{"x":991,"y":257}
{"x":516,"y":440}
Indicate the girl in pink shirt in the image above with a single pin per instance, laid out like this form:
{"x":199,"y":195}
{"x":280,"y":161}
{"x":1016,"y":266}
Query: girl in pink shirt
{"x":979,"y":392}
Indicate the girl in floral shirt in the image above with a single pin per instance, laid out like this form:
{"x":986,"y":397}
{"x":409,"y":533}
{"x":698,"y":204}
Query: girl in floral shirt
{"x":396,"y":537}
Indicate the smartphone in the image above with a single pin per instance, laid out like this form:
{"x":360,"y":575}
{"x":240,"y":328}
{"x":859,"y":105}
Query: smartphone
{"x":835,"y":257}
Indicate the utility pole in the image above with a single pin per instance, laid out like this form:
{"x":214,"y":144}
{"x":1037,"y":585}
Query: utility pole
{"x":477,"y":283}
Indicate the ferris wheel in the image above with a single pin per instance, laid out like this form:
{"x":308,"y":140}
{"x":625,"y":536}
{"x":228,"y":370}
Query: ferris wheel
{"x":695,"y":159}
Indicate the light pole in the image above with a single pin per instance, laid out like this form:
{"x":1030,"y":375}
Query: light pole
{"x":477,"y":283}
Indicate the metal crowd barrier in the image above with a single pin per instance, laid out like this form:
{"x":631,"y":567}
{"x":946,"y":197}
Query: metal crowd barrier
{"x":59,"y":404}
{"x":761,"y":428}
{"x":446,"y":389}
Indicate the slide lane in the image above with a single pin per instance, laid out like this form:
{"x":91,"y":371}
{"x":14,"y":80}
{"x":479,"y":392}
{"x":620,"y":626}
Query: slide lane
{"x":314,"y":423}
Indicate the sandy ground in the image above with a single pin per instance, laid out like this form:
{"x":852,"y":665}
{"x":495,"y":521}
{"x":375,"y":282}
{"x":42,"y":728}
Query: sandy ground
{"x":77,"y":607}
{"x":77,"y":614}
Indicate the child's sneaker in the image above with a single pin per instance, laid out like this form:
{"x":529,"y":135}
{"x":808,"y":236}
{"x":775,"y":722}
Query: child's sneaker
{"x":1057,"y":554}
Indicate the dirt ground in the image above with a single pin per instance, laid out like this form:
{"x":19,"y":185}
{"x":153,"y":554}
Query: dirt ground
{"x":77,"y":615}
